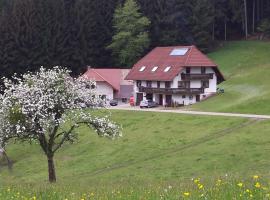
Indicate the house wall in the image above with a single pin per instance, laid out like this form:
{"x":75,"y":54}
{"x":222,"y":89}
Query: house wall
{"x":104,"y":88}
{"x":189,"y":99}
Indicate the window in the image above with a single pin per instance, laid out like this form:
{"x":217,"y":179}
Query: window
{"x":203,"y":70}
{"x":154,"y":69}
{"x":183,"y":84}
{"x":184,"y":96}
{"x":167,"y":84}
{"x":158,"y":84}
{"x":142,"y":69}
{"x":190,"y":97}
{"x":139,"y":83}
{"x":188,"y":70}
{"x":148,"y":83}
{"x":167,"y":69}
{"x":179,"y":52}
{"x":205,"y":84}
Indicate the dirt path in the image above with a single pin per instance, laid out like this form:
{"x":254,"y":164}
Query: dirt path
{"x":192,"y":112}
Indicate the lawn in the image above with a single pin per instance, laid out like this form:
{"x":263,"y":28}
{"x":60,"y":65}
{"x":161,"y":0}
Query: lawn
{"x":246,"y":67}
{"x":157,"y":150}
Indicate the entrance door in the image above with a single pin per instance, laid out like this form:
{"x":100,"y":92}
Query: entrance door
{"x":139,"y":98}
{"x":160,"y":99}
{"x":168,"y":100}
{"x":198,"y":99}
{"x":149,"y":97}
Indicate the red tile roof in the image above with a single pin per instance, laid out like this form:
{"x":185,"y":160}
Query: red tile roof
{"x":114,"y":77}
{"x":160,"y":57}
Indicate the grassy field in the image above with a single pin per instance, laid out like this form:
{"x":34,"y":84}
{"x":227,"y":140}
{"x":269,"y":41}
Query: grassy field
{"x":162,"y":155}
{"x":246,"y":66}
{"x":156,"y":151}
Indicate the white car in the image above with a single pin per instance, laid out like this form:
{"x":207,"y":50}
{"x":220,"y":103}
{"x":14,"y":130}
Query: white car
{"x":148,"y":104}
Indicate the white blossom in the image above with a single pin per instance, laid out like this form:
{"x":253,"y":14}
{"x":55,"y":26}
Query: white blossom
{"x":35,"y":104}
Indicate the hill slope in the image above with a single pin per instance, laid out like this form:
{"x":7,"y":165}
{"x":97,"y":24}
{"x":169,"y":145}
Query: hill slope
{"x":154,"y":147}
{"x":246,"y":66}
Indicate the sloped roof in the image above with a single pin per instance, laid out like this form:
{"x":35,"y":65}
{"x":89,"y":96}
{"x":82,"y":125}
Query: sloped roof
{"x":114,"y":77}
{"x":161,"y":58}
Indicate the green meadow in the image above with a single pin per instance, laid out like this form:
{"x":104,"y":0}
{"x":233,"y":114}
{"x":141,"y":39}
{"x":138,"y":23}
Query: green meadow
{"x":246,"y":67}
{"x":163,"y":155}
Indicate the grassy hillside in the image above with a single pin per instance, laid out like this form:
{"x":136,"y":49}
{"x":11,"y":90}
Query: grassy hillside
{"x":154,"y":147}
{"x":246,"y":66}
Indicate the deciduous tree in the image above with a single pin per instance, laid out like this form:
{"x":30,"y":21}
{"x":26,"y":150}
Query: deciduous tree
{"x":46,"y":107}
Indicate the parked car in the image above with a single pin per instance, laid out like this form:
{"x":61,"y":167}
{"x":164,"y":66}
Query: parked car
{"x":113,"y":102}
{"x":148,"y":104}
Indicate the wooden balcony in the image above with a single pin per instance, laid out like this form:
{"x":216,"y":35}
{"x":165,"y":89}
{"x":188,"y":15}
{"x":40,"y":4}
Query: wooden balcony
{"x":172,"y":90}
{"x":197,"y":76}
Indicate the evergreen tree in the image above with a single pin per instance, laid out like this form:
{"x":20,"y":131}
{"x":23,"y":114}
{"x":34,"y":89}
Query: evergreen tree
{"x":131,"y":37}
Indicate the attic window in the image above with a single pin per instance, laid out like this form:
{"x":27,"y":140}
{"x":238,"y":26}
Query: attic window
{"x":154,"y":69}
{"x":179,"y":52}
{"x":167,"y":69}
{"x":142,"y":69}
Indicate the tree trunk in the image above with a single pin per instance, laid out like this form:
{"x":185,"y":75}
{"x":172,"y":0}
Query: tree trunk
{"x":213,"y":31}
{"x":51,"y":169}
{"x":253,"y":23}
{"x":225,"y":29}
{"x":246,"y":22}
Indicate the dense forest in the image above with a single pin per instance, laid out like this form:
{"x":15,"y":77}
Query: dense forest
{"x":80,"y":33}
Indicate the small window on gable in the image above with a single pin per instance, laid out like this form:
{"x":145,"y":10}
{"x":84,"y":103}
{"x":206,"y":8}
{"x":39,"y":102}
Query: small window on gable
{"x":154,"y":68}
{"x":142,"y":69}
{"x":167,"y":69}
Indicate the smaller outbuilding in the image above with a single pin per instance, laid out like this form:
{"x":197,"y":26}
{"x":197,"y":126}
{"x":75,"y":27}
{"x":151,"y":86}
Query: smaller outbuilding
{"x":111,"y":83}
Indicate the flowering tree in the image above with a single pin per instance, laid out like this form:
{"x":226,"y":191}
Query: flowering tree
{"x":46,"y":107}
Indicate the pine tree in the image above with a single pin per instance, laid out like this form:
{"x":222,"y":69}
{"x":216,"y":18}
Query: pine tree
{"x":131,"y":37}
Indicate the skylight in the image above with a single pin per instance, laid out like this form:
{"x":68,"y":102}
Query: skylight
{"x":154,"y":69}
{"x":142,"y":68}
{"x":167,"y":69}
{"x":179,"y":52}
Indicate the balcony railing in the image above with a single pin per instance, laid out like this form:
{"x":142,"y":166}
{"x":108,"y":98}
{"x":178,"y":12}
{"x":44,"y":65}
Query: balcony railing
{"x":197,"y":76}
{"x":172,"y":90}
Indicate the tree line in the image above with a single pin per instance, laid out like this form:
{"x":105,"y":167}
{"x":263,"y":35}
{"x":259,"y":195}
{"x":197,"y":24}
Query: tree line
{"x":78,"y":33}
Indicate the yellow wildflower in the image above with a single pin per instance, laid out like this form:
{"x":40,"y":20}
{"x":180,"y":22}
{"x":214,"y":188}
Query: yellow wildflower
{"x":247,"y":190}
{"x":240,"y":184}
{"x":200,"y":186}
{"x":197,"y":180}
{"x":251,"y":195}
{"x":255,"y":177}
{"x":186,"y":194}
{"x":257,"y":185}
{"x":92,"y":194}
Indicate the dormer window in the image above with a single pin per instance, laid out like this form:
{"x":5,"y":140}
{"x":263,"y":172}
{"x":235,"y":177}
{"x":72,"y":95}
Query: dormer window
{"x":154,"y":69}
{"x":142,"y":69}
{"x":167,"y":69}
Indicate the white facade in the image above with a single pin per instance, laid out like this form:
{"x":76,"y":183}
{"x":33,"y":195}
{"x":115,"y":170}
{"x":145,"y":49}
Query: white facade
{"x":104,"y":89}
{"x":184,"y":99}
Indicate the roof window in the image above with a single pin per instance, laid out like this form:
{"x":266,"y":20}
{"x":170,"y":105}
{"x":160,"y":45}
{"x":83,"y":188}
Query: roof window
{"x":154,"y":68}
{"x":142,"y":69}
{"x":179,"y":52}
{"x":167,"y":69}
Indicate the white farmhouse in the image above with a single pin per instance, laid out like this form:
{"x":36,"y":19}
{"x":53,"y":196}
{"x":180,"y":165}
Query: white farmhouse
{"x":178,"y":75}
{"x":111,"y":83}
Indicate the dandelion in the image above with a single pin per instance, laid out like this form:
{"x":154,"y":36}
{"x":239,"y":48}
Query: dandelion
{"x":200,"y":186}
{"x":255,"y":177}
{"x":197,"y":180}
{"x":257,"y":185}
{"x":240,"y":184}
{"x":186,"y":194}
{"x":247,"y":191}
